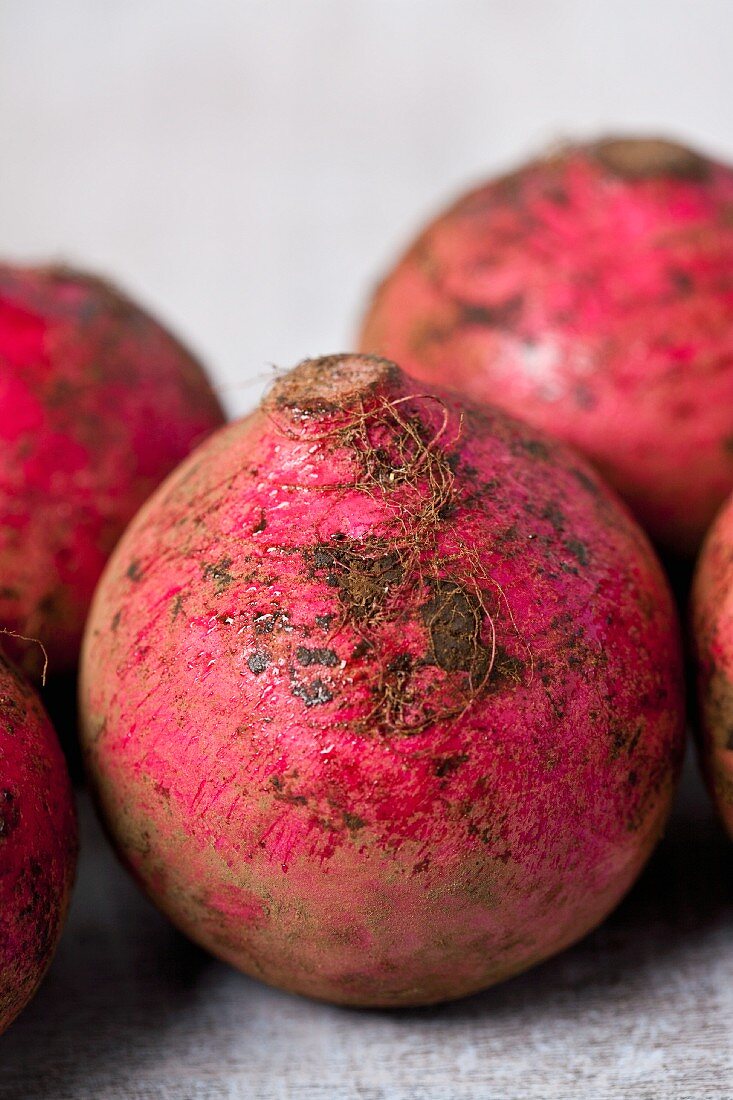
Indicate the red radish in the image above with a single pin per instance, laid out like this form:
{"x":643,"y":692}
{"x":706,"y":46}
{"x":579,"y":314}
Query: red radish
{"x":38,"y":842}
{"x":99,"y":404}
{"x":712,"y":620}
{"x":591,"y":293}
{"x":382,"y":701}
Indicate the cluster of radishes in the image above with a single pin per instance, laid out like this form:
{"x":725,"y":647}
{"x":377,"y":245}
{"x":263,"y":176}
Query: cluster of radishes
{"x":381,"y":689}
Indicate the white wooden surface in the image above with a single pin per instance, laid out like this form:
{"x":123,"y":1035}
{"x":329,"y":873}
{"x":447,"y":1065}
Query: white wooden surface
{"x":641,"y":1009}
{"x":248,"y":167}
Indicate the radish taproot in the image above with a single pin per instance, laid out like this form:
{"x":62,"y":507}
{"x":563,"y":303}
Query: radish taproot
{"x":99,"y":404}
{"x":38,"y":842}
{"x":590,"y":293}
{"x":381,"y":698}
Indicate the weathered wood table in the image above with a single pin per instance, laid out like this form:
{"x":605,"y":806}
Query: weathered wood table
{"x":643,"y":1008}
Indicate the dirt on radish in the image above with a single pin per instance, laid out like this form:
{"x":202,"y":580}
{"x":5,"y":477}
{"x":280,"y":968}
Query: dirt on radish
{"x":381,"y":692}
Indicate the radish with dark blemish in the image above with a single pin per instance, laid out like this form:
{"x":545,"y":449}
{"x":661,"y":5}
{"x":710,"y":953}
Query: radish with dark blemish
{"x":99,"y":403}
{"x":38,"y":842}
{"x":421,"y":731}
{"x":591,"y":293}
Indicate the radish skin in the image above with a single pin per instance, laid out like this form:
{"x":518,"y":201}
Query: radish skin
{"x":38,"y":842}
{"x":99,"y":404}
{"x":590,"y":293}
{"x":381,"y":697}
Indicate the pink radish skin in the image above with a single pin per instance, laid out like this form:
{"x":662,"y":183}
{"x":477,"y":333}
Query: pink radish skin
{"x":99,"y":404}
{"x":382,"y":701}
{"x":590,"y":293}
{"x":38,"y":842}
{"x":712,"y":623}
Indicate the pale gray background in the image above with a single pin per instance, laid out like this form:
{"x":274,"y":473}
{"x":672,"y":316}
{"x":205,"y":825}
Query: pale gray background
{"x":248,"y":169}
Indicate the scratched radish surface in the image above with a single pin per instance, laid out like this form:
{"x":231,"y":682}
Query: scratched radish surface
{"x":642,"y":1007}
{"x":588,"y":292}
{"x":380,"y":695}
{"x":99,"y":404}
